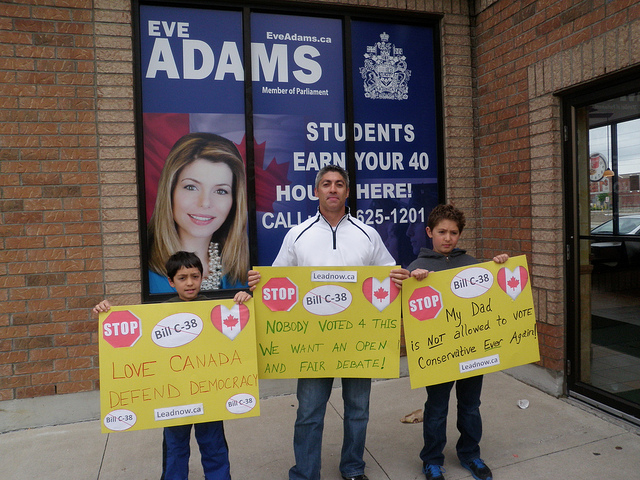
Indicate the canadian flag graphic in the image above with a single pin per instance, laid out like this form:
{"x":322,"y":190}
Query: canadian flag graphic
{"x":230,"y":321}
{"x":513,"y":282}
{"x":380,"y":293}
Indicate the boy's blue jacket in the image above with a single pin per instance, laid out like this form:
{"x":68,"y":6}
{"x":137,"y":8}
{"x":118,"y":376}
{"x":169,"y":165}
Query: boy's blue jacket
{"x":434,"y":261}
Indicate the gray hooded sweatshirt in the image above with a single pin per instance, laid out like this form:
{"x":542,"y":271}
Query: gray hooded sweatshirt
{"x":434,"y":261}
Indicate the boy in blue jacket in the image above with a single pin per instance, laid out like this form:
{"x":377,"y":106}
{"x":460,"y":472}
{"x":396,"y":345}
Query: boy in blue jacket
{"x":184,"y":270}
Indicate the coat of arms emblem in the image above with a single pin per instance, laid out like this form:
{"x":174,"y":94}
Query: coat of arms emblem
{"x":385,"y":72}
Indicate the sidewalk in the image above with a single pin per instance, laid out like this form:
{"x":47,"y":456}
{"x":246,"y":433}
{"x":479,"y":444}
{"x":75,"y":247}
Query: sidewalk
{"x":552,"y":438}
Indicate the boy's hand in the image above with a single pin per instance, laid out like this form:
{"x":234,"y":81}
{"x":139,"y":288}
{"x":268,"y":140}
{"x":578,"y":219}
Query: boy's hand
{"x":103,"y":306}
{"x":398,"y":275}
{"x":254,"y":279}
{"x":420,"y":273}
{"x":503,"y":257}
{"x":241,"y":297}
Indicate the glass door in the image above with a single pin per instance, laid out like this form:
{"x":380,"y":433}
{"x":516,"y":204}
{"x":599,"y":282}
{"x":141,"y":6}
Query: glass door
{"x":606,"y":199}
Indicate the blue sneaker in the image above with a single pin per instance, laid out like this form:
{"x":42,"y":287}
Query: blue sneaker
{"x":478,"y":469}
{"x":433,"y":472}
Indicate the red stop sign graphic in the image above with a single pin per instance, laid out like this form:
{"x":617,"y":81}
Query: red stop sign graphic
{"x":425,"y":303}
{"x":121,"y":329}
{"x":280,"y":294}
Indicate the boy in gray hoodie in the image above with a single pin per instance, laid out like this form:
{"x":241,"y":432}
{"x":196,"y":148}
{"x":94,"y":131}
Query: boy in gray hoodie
{"x":444,"y":227}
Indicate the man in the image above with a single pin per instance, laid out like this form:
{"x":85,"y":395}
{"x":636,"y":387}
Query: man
{"x":331,"y":238}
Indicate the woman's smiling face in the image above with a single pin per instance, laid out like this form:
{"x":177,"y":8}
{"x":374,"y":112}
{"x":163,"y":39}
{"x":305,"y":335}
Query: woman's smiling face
{"x":202,"y":198}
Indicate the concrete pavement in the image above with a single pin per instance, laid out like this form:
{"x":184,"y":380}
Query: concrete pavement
{"x":552,"y":438}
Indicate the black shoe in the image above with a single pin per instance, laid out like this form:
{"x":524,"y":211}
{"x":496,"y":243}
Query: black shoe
{"x":478,"y":469}
{"x":433,"y":472}
{"x":357,"y":477}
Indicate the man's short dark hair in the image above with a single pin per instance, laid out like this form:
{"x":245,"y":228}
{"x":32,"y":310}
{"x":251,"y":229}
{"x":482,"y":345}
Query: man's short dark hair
{"x":182,"y":259}
{"x":332,"y":168}
{"x":446,"y":212}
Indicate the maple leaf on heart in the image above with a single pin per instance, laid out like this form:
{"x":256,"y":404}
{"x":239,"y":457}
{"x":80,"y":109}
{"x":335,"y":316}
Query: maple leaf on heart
{"x":381,"y":293}
{"x":513,"y":282}
{"x":230,"y":321}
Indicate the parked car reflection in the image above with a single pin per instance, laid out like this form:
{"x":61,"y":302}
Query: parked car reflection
{"x":617,"y":253}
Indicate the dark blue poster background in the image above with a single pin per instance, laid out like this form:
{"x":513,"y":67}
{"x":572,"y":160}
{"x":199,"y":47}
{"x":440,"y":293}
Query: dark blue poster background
{"x":298,"y":118}
{"x":191,"y":60}
{"x":394,"y":99}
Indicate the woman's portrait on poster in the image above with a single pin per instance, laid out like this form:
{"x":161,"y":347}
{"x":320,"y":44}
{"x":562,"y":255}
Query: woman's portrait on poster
{"x":201,"y":207}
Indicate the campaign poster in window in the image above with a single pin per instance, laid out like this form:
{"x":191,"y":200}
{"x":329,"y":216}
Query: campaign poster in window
{"x":193,"y":137}
{"x":192,"y":78}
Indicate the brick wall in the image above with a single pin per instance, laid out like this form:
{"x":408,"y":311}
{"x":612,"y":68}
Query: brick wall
{"x":68,"y":200}
{"x":525,"y":52}
{"x":68,"y":192}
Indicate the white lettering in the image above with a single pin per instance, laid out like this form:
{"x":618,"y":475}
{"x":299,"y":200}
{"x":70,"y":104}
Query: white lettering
{"x":303,"y":58}
{"x":162,"y":60}
{"x":189,"y":47}
{"x":382,"y":190}
{"x":199,"y":61}
{"x":183,"y":30}
{"x":315,"y":161}
{"x":230,"y":62}
{"x":369,"y":132}
{"x":298,"y":192}
{"x":262,"y":62}
{"x":154,"y":28}
{"x":380,"y":160}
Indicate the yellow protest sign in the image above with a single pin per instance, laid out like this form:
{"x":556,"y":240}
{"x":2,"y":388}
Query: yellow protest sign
{"x":177,"y":363}
{"x":469,"y":321}
{"x":327,"y":322}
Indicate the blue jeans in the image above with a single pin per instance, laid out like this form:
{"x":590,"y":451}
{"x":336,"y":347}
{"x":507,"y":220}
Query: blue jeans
{"x":214,"y":452}
{"x":313,"y":395}
{"x":469,"y":422}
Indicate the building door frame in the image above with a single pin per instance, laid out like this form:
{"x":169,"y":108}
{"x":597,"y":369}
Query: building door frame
{"x":574,"y":139}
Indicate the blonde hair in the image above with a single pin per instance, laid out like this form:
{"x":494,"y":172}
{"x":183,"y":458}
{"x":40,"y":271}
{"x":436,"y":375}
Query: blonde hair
{"x":232,"y":234}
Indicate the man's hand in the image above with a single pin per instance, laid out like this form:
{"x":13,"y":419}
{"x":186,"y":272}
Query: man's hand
{"x":254,"y":279}
{"x":398,"y":275}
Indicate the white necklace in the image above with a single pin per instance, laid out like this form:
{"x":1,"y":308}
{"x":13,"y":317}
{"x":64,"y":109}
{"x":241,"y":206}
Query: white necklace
{"x":212,"y":282}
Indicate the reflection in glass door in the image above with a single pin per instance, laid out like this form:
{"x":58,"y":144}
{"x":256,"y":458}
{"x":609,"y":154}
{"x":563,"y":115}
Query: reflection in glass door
{"x":607,"y":157}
